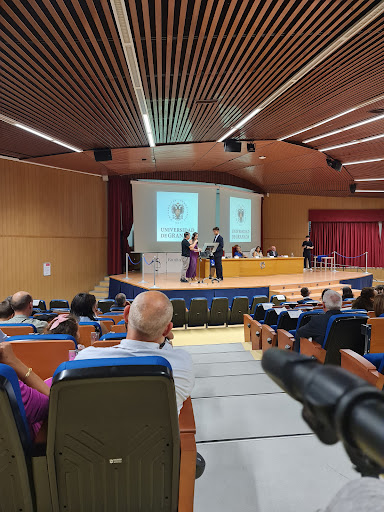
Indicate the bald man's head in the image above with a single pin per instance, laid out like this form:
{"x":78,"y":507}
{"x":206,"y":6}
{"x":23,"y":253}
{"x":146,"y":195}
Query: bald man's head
{"x":22,"y":303}
{"x":149,"y":316}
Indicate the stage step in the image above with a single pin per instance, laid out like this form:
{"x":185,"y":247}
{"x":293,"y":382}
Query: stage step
{"x":101,"y":291}
{"x":310,"y":285}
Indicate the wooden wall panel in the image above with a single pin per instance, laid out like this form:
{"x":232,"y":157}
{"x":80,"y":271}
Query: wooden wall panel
{"x":51,"y":215}
{"x":285,"y":217}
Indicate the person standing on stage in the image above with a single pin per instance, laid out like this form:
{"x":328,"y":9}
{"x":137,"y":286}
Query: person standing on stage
{"x":218,"y":254}
{"x":194,"y":254}
{"x":185,"y":256}
{"x":307,"y":248}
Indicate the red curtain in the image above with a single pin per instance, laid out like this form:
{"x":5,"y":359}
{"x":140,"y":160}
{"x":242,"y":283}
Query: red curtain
{"x":120,"y":221}
{"x":349,"y":239}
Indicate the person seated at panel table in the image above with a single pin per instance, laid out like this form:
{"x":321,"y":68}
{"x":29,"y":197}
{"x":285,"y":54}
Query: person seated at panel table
{"x":22,"y":305}
{"x":84,"y":309}
{"x":238,"y":253}
{"x":256,"y":252}
{"x":347,"y":293}
{"x":317,"y":325}
{"x":6,"y":311}
{"x":272,"y":252}
{"x":365,"y":299}
{"x":305,"y":293}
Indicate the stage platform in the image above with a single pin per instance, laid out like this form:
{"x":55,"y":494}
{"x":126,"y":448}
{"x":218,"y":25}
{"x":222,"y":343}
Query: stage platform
{"x":233,"y":286}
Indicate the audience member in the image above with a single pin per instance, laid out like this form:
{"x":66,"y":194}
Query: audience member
{"x":34,"y":391}
{"x":317,"y":325}
{"x":149,"y":326}
{"x":121,"y":300}
{"x":378,"y":305}
{"x":64,"y":324}
{"x":6,"y":311}
{"x":305,"y":293}
{"x":272,"y":252}
{"x":256,"y":252}
{"x":365,"y":299}
{"x":379,"y":289}
{"x":322,"y":293}
{"x":22,"y":305}
{"x":84,"y":309}
{"x":238,"y":253}
{"x":347,"y":293}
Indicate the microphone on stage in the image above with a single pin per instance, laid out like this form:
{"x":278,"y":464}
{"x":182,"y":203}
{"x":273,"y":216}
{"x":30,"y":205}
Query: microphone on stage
{"x":337,"y":405}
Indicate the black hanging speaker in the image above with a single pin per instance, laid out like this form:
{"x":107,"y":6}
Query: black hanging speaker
{"x":335,"y":164}
{"x":102,"y":154}
{"x":232,"y":146}
{"x":251,"y":147}
{"x":352,"y":188}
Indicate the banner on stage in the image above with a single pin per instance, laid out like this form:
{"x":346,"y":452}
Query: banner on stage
{"x":240,"y":219}
{"x":177,"y":212}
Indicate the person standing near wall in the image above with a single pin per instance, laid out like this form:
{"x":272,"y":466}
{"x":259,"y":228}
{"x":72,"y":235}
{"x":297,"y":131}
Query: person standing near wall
{"x":185,"y":257}
{"x":307,"y":246}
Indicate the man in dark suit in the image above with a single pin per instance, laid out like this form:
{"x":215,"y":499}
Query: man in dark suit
{"x":272,"y":252}
{"x":218,"y":254}
{"x":317,"y":325}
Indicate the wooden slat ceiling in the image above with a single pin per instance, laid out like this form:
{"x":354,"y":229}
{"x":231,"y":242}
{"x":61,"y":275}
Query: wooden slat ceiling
{"x":64,"y":73}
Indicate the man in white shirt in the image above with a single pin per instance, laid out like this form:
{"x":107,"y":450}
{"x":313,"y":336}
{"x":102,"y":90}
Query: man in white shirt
{"x":149,"y":326}
{"x":22,"y":304}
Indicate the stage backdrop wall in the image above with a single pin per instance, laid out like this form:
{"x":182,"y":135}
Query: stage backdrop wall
{"x":285,"y":217}
{"x":51,"y":215}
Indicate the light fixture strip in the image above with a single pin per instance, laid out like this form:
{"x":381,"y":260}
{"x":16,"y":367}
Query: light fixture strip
{"x":370,"y":191}
{"x":348,"y":34}
{"x":42,"y":135}
{"x":350,"y":127}
{"x":364,"y":161}
{"x":369,"y":179}
{"x":359,"y":141}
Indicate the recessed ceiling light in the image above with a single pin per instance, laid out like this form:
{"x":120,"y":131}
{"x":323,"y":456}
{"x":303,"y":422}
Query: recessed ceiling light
{"x":240,"y":124}
{"x":370,"y":191}
{"x":350,"y":127}
{"x":262,"y":157}
{"x":47,"y":137}
{"x":364,"y":161}
{"x":359,"y":141}
{"x":370,"y":179}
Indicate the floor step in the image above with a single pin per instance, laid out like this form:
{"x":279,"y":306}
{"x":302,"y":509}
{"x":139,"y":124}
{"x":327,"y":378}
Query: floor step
{"x":101,"y":288}
{"x":312,"y":284}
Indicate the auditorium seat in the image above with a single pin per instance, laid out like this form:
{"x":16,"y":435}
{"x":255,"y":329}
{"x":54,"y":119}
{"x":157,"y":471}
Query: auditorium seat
{"x":114,"y":336}
{"x":198,"y":312}
{"x":278,"y":299}
{"x":239,"y":308}
{"x":179,"y":318}
{"x":43,"y":337}
{"x":343,"y":331}
{"x":108,"y":322}
{"x":257,"y":299}
{"x":219,"y":311}
{"x":17,"y":329}
{"x":286,"y":339}
{"x":58,"y":304}
{"x":286,"y":320}
{"x":252,"y":332}
{"x":43,"y":356}
{"x":374,"y":335}
{"x":16,"y":491}
{"x":118,"y":328}
{"x":106,"y":343}
{"x":105,"y":305}
{"x":85,"y":331}
{"x":128,"y":420}
{"x":40,"y":304}
{"x":117,"y":309}
{"x":260,"y":310}
{"x":369,"y":367}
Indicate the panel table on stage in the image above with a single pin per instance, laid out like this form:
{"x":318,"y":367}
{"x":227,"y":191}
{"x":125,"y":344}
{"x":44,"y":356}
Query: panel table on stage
{"x":243,"y":267}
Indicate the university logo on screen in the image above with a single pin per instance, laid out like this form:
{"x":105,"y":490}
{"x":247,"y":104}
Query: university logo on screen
{"x":177,"y":213}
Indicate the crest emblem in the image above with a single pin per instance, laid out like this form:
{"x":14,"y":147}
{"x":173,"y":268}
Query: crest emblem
{"x":177,"y":211}
{"x":240,"y":214}
{"x":262,"y":264}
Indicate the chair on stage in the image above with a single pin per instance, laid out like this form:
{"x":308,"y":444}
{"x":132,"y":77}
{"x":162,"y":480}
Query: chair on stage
{"x":121,"y":417}
{"x":369,"y":367}
{"x":343,"y":331}
{"x":219,"y":311}
{"x":180,"y":314}
{"x":198,"y":312}
{"x":239,"y":308}
{"x":286,"y":338}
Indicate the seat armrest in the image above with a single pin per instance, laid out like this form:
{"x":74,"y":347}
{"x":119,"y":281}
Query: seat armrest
{"x":247,"y":327}
{"x":285,"y":339}
{"x":268,"y":338}
{"x":361,"y":367}
{"x":187,"y":418}
{"x":312,"y":349}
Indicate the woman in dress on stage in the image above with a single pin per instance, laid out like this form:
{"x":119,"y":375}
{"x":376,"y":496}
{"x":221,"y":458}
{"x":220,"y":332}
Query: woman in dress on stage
{"x":191,"y":272}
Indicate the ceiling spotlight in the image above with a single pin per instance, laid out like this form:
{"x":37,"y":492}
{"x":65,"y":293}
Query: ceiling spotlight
{"x":262,"y":157}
